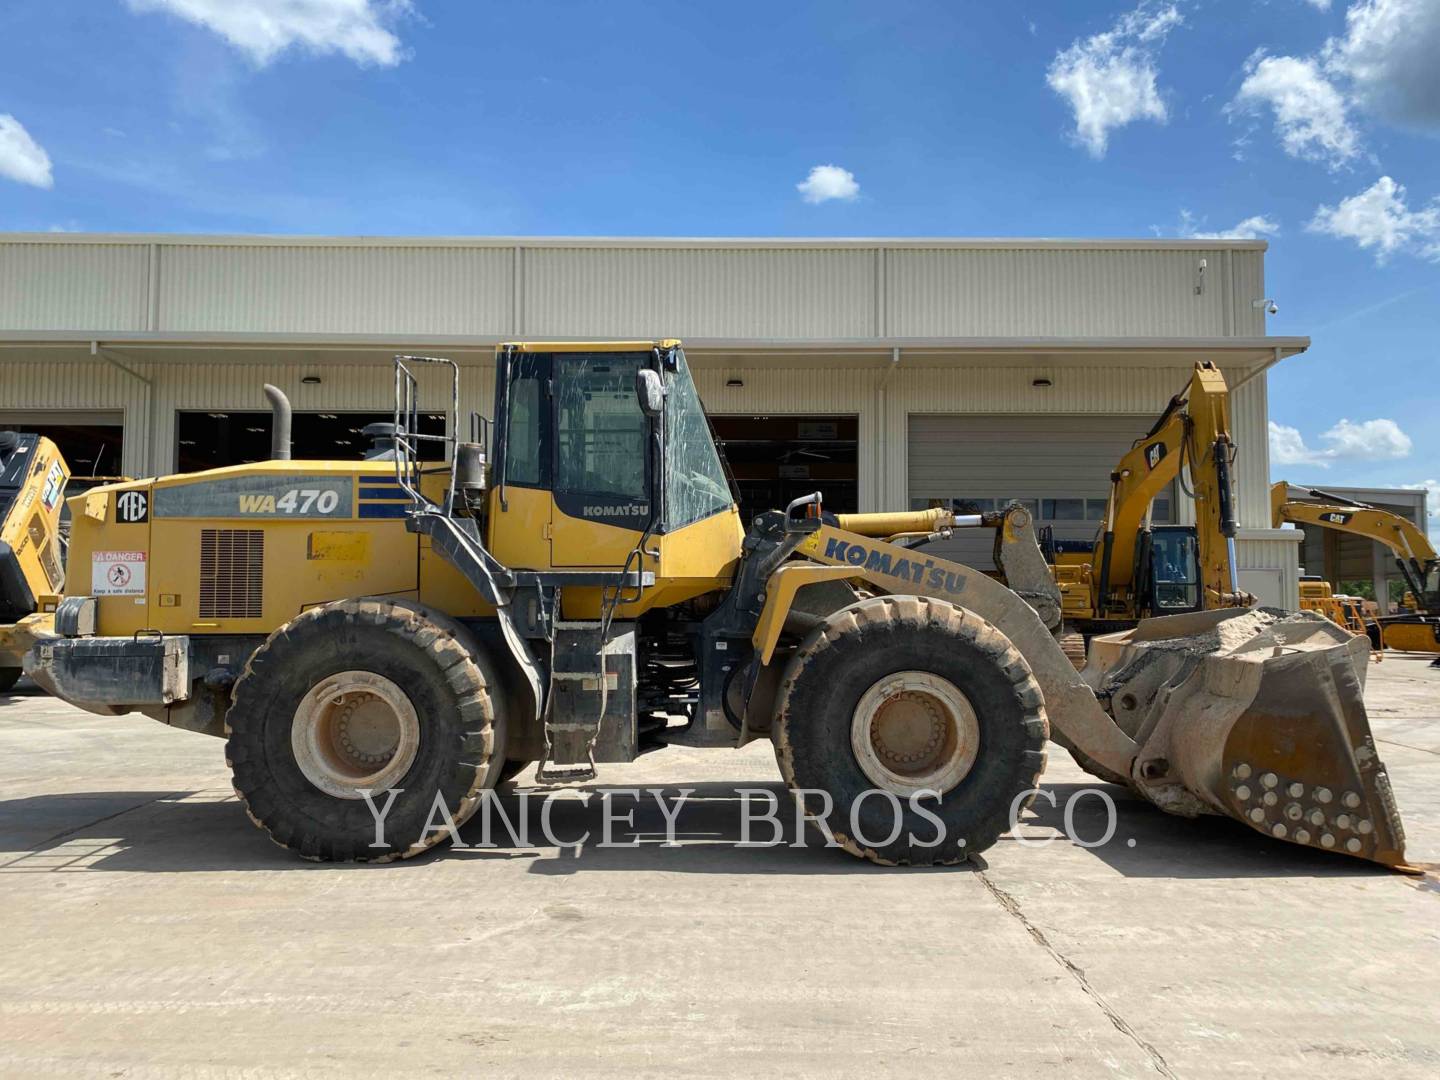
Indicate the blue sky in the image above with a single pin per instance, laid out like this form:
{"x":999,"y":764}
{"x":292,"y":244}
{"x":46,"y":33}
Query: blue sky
{"x":621,"y":118}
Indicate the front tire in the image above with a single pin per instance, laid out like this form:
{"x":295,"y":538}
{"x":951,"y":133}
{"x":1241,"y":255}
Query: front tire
{"x":902,"y":693}
{"x":9,"y":676}
{"x":364,"y":695}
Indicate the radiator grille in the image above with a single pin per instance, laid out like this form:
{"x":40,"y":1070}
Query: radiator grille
{"x":232,"y":573}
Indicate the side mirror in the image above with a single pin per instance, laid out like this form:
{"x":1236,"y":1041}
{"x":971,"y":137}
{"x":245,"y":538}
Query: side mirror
{"x":650,"y":392}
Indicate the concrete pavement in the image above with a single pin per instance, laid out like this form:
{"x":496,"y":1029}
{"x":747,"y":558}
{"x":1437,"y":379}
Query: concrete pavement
{"x":149,"y":929}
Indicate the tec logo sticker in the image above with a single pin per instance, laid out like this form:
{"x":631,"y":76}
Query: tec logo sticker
{"x":132,"y":507}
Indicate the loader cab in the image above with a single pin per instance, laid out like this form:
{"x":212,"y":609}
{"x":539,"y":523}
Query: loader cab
{"x":1170,"y":570}
{"x":584,"y":468}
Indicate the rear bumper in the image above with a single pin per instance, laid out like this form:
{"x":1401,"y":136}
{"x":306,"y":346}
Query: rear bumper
{"x":113,"y":675}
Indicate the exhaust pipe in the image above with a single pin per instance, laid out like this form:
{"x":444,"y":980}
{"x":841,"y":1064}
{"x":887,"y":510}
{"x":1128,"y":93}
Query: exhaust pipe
{"x":280,"y":423}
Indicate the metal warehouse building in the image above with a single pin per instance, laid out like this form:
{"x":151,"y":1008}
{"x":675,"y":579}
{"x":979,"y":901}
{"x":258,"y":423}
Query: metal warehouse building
{"x":887,"y":373}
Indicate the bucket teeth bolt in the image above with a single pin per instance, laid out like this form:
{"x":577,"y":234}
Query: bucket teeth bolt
{"x":1257,"y":815}
{"x":1302,"y":836}
{"x":1326,"y":840}
{"x":1293,"y":811}
{"x":1351,"y":800}
{"x":1295,"y":790}
{"x":1270,"y":798}
{"x":1352,"y":845}
{"x":1316,"y":818}
{"x":1242,"y":793}
{"x":1364,"y":828}
{"x":1322,"y":795}
{"x":1278,"y":831}
{"x":1242,"y":771}
{"x":1269,"y":780}
{"x":1342,"y":821}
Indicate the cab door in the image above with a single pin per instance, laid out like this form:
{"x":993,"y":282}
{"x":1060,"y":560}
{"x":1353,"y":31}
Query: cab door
{"x":601,"y":466}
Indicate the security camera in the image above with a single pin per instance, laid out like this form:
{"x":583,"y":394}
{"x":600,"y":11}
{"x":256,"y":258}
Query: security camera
{"x":1271,"y":308}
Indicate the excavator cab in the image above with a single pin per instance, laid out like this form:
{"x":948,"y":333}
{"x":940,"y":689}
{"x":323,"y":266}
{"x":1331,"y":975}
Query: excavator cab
{"x":1171,"y":581}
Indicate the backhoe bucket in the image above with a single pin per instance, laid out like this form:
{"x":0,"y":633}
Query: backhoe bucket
{"x":1257,"y":714}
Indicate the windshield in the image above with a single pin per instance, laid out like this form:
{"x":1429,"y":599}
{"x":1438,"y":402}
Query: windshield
{"x":1174,"y":566}
{"x":695,"y":485}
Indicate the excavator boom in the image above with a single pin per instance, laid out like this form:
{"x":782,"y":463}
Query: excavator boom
{"x":1414,"y":553}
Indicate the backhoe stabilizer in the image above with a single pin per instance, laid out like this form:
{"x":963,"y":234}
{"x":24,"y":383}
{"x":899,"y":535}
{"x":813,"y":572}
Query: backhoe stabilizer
{"x":1258,"y":715}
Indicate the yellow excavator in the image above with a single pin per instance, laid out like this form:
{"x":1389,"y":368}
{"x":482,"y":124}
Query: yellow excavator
{"x":1417,"y":630}
{"x":380,"y":642}
{"x":1136,"y":569}
{"x":33,"y":475}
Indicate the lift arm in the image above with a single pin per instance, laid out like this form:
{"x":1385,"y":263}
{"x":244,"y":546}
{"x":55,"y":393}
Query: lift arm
{"x":1193,"y":432}
{"x":1413,"y":551}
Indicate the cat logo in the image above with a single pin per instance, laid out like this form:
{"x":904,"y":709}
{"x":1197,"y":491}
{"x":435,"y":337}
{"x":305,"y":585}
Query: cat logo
{"x":1335,"y":518}
{"x":132,"y":507}
{"x":1154,"y":454}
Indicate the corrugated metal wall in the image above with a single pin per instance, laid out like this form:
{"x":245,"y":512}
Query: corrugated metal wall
{"x":349,"y":290}
{"x":1094,"y":293}
{"x":718,"y":289}
{"x":74,"y":286}
{"x":699,"y":292}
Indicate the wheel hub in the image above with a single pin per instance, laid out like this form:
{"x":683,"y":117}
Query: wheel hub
{"x":915,"y":731}
{"x":355,"y":731}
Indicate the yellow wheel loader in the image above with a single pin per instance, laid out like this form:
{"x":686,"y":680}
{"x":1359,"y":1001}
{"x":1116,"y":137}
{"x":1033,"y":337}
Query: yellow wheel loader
{"x":33,"y":475}
{"x":1417,"y":630}
{"x":386,"y":633}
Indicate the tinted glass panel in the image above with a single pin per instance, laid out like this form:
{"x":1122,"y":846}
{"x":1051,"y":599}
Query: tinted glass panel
{"x":696,"y":484}
{"x":600,"y":430}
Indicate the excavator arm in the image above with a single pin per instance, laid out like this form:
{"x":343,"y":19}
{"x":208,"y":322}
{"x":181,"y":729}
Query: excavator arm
{"x":1414,"y":553}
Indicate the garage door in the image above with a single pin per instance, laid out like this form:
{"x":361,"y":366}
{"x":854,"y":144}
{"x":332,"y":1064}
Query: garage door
{"x":91,"y":442}
{"x":1059,"y":466}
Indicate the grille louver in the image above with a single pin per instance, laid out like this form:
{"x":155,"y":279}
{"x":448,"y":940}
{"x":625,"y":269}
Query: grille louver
{"x":232,"y":573}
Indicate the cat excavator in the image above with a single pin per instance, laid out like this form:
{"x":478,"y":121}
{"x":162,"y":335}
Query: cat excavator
{"x":33,"y":475}
{"x":384,"y":641}
{"x":1417,"y":630}
{"x":1136,"y":569}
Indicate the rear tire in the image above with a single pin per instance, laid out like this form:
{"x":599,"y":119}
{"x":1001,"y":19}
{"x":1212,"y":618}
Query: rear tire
{"x":905,"y":692}
{"x":9,"y":676}
{"x":363,"y":694}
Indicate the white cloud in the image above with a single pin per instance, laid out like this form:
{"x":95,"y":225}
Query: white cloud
{"x":1319,"y":5}
{"x":1310,"y":112}
{"x":1367,"y":440}
{"x":263,"y":29}
{"x":1379,"y":218}
{"x":1388,"y":55}
{"x":1287,"y":447}
{"x":827,"y":182}
{"x":1252,"y":228}
{"x":22,"y":159}
{"x":1110,"y":79}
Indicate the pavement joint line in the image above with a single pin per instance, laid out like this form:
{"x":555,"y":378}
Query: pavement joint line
{"x":1407,"y":746}
{"x":108,"y":817}
{"x":1012,"y":907}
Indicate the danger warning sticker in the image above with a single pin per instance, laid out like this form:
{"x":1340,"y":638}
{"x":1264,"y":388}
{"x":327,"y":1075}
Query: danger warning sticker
{"x":117,"y":573}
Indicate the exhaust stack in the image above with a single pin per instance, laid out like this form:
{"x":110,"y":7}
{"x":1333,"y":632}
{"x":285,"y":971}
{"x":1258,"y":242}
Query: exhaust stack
{"x":280,"y":427}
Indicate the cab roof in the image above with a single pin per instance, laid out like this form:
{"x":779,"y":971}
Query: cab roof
{"x":587,"y":346}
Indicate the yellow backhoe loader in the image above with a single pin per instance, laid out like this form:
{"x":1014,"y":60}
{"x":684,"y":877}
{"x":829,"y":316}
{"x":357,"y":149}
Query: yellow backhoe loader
{"x":1136,"y":569}
{"x":33,"y":475}
{"x":385,"y":633}
{"x":1417,"y":630}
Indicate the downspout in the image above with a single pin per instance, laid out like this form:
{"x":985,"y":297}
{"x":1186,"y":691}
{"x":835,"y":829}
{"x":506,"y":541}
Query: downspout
{"x":883,"y":424}
{"x":96,"y":349}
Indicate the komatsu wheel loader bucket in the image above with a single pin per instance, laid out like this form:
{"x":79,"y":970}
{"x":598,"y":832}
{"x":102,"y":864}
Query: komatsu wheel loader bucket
{"x":1256,"y":714}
